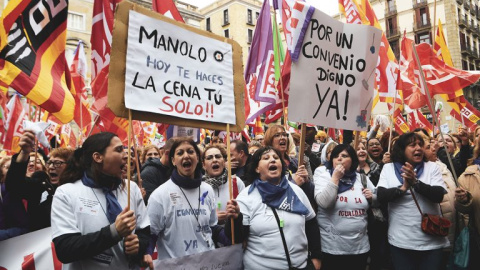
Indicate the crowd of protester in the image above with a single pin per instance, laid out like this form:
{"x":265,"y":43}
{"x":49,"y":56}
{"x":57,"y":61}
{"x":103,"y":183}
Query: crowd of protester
{"x":351,"y":204}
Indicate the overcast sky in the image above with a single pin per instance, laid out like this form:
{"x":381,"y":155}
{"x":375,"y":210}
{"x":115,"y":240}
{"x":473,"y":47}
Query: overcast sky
{"x":328,"y":6}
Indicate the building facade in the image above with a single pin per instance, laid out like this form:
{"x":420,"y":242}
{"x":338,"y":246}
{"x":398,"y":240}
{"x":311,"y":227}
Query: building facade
{"x":235,"y":19}
{"x":418,"y":18}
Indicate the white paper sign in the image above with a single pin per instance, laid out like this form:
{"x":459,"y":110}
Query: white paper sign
{"x":226,"y":258}
{"x":332,"y":83}
{"x":173,"y":71}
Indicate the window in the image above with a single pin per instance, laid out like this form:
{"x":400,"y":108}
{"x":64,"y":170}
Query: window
{"x":464,"y":65}
{"x":249,"y":35}
{"x":390,"y":27}
{"x":424,"y":37}
{"x":257,"y":15}
{"x":76,"y":21}
{"x":208,"y":25}
{"x":225,"y":17}
{"x":423,"y":16}
{"x":226,"y":33}
{"x":391,"y":5}
{"x":249,"y":16}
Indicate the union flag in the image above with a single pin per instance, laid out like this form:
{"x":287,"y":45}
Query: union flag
{"x":32,"y":54}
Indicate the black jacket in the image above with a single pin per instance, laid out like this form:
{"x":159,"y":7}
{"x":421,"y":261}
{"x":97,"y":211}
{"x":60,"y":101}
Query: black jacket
{"x":153,"y":174}
{"x":31,"y":190}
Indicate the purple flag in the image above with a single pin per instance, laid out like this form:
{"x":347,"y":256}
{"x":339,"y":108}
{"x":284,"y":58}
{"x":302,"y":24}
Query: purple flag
{"x":260,"y":69}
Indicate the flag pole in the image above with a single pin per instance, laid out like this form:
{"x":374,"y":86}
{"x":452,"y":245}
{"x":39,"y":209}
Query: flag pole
{"x":81,"y":120}
{"x":392,"y":119}
{"x":36,"y":140}
{"x":229,"y":171}
{"x":302,"y":144}
{"x":137,"y":165}
{"x":129,"y":157}
{"x":436,"y":121}
{"x":280,"y":78}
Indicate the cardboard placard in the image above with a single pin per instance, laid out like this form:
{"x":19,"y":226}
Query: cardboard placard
{"x":332,"y":83}
{"x":116,"y":83}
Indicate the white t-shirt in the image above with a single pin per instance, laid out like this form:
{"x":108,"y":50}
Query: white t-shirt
{"x":404,"y":226}
{"x":172,"y":219}
{"x":343,"y":227}
{"x":222,"y":194}
{"x":77,"y":208}
{"x":265,"y":247}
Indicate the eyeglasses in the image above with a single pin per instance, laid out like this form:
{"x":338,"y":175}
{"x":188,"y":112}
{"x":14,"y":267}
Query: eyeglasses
{"x":56,"y":163}
{"x":373,"y":144}
{"x":216,"y":156}
{"x":281,"y":134}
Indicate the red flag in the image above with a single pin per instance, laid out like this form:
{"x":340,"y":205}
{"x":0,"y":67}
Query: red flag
{"x":15,"y":118}
{"x":32,"y":54}
{"x":409,"y":80}
{"x":417,"y":120}
{"x":101,"y":40}
{"x":167,"y":8}
{"x":82,"y":114}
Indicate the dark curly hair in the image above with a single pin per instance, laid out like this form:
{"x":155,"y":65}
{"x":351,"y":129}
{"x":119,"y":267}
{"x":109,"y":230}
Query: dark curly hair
{"x":251,"y":173}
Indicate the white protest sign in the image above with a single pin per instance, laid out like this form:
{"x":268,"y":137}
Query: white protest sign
{"x":226,"y":258}
{"x":332,"y":82}
{"x":173,"y":71}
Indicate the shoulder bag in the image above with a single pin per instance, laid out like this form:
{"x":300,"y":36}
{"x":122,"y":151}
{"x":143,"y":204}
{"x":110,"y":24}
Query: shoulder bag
{"x":432,"y":224}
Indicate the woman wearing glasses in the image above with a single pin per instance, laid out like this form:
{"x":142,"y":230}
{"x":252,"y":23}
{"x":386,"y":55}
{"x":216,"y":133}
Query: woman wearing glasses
{"x":216,"y":175}
{"x":31,"y":182}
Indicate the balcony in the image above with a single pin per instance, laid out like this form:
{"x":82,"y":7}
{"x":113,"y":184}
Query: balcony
{"x":419,"y":3}
{"x":469,"y":27}
{"x":419,"y":26}
{"x":393,"y":33}
{"x":460,"y":2}
{"x":474,"y":53}
{"x":466,"y":4}
{"x":462,"y":23}
{"x":464,"y":49}
{"x":475,"y":31}
{"x":473,"y":10}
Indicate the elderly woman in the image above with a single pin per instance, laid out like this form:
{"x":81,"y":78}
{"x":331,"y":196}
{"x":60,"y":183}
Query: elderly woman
{"x":182,"y":210}
{"x":467,"y":200}
{"x":343,"y":197}
{"x":92,"y":226}
{"x":214,"y":158}
{"x":410,"y":247}
{"x":279,"y":224}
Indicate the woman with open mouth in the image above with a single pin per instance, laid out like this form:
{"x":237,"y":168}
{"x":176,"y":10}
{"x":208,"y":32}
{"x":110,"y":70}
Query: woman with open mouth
{"x":276,"y":219}
{"x":375,"y":150}
{"x":343,"y":197}
{"x":214,"y":158}
{"x":92,"y":226}
{"x":301,"y":174}
{"x":411,"y":248}
{"x":182,"y":210}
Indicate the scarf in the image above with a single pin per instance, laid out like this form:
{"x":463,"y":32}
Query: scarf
{"x":216,"y":181}
{"x":476,"y":161}
{"x":185,"y":182}
{"x":346,"y":182}
{"x":398,"y":170}
{"x":105,"y":183}
{"x":280,"y":196}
